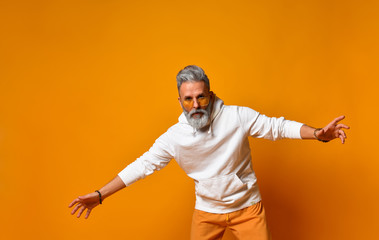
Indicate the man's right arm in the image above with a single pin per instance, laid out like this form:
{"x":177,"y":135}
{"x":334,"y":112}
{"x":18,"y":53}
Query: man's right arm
{"x":158,"y":156}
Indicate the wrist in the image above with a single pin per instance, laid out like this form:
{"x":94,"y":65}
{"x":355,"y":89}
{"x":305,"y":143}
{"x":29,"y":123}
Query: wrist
{"x":100,"y":196}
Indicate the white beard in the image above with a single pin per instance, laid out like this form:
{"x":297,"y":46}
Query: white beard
{"x":198,"y":123}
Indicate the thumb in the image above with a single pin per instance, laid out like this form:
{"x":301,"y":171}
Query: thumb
{"x":81,"y":198}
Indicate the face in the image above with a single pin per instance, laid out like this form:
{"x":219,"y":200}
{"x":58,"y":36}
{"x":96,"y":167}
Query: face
{"x":195,"y":100}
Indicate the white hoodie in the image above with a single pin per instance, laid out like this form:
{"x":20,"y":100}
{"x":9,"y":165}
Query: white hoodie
{"x":218,"y":160}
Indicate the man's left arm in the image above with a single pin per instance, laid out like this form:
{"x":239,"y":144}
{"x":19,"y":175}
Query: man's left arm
{"x":329,"y":132}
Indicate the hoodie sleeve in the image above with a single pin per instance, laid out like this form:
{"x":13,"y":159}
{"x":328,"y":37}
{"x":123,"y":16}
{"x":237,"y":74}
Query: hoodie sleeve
{"x":158,"y":156}
{"x":261,"y":126}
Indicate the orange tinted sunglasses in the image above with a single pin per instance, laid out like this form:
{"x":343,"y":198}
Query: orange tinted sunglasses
{"x":202,"y":101}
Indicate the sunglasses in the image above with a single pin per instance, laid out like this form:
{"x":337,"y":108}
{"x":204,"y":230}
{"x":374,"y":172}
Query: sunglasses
{"x":203,"y":101}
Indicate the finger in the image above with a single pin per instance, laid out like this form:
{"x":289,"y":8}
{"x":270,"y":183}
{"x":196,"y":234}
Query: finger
{"x":342,"y":126}
{"x":342,"y":136}
{"x":336,"y":120}
{"x":342,"y":139}
{"x":342,"y":133}
{"x":80,"y":212}
{"x":87,"y":214}
{"x":74,"y":202}
{"x":76,"y":209}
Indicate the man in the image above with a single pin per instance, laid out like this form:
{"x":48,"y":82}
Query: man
{"x":210,"y":142}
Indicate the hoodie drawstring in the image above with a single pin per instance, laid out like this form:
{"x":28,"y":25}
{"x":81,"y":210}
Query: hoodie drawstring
{"x":210,"y":128}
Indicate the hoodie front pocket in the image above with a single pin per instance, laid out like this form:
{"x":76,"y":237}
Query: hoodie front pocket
{"x":222,"y":188}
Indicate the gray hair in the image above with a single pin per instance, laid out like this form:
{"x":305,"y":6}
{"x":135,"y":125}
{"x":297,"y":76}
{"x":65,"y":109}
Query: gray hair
{"x":192,"y":73}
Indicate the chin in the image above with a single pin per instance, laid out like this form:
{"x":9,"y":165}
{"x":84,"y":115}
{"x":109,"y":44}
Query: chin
{"x":199,"y":123}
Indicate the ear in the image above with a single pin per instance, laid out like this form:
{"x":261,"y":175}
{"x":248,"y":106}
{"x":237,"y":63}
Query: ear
{"x":213,"y":97}
{"x":180,"y":102}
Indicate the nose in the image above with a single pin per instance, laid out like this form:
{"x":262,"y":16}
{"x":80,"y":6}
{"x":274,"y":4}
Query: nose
{"x":196,"y":104}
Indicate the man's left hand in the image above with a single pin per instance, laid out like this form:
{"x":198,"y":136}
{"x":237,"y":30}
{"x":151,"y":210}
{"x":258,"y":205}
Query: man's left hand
{"x":333,"y":130}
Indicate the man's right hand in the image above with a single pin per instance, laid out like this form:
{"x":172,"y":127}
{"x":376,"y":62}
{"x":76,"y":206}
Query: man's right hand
{"x":91,"y":200}
{"x":82,"y":203}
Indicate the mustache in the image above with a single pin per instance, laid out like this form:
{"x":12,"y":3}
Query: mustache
{"x":194,"y":111}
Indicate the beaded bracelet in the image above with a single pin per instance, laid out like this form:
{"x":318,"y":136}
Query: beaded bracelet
{"x":101,"y":201}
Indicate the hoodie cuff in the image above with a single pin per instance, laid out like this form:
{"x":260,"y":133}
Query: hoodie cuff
{"x":128,"y":176}
{"x":293,"y":130}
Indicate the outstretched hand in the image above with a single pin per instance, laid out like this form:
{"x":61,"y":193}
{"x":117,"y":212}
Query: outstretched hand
{"x":82,"y":203}
{"x":333,"y":130}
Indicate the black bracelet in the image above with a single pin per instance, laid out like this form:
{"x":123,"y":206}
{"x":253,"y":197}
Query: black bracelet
{"x":101,"y":201}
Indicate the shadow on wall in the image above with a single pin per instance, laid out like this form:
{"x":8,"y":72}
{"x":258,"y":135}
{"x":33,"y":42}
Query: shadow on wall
{"x":282,"y":216}
{"x":284,"y":179}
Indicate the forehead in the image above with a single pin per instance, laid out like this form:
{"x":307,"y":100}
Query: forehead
{"x":192,"y":88}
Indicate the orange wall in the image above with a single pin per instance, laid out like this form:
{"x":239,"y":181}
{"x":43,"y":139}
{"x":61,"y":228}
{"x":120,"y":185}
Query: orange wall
{"x":86,"y":87}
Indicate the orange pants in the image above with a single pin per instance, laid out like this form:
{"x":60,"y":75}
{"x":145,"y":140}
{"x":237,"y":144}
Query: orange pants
{"x":248,"y":223}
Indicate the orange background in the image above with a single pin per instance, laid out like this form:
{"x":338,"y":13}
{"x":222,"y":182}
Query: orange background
{"x":87,"y":86}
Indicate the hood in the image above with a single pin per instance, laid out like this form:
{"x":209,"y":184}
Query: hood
{"x":217,"y":106}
